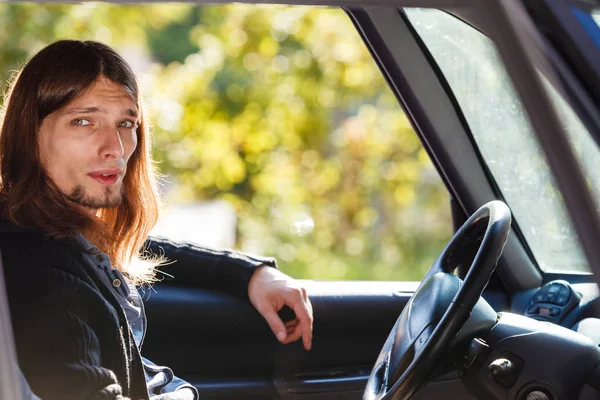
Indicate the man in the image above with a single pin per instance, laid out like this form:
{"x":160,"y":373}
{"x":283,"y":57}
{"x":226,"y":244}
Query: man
{"x":78,"y":197}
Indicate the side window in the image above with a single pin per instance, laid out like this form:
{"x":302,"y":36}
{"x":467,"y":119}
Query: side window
{"x":275,"y":132}
{"x":505,"y":138}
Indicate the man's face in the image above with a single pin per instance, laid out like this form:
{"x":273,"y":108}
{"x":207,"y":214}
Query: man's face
{"x":85,"y":145}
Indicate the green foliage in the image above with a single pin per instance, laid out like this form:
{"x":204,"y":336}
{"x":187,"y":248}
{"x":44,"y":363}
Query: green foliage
{"x":172,"y":42}
{"x":280,"y":111}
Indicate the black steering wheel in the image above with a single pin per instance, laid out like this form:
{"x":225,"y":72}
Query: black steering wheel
{"x":436,"y":313}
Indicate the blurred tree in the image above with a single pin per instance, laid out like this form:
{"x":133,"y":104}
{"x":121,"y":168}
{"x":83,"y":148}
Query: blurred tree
{"x":172,"y":42}
{"x":282,"y":112}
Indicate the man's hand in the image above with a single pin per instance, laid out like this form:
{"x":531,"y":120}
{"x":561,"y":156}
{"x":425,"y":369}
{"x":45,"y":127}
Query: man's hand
{"x":269,"y":290}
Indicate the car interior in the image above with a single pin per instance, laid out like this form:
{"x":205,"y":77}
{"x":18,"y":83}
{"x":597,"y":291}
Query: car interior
{"x":501,"y":95}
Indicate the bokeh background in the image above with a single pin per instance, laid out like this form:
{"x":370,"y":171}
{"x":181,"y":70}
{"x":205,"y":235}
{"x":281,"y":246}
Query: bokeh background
{"x":274,"y":129}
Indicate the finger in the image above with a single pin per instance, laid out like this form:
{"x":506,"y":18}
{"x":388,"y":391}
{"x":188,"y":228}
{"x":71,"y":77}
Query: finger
{"x":294,"y":335}
{"x":308,"y":303}
{"x":275,"y":323}
{"x":290,"y":329}
{"x":304,"y":315}
{"x":290,"y":326}
{"x":292,"y":322}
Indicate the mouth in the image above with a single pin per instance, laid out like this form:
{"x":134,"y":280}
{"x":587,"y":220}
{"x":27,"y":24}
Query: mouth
{"x":107,"y":177}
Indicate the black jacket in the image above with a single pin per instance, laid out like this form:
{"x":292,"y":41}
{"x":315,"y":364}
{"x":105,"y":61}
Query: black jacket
{"x":72,"y":338}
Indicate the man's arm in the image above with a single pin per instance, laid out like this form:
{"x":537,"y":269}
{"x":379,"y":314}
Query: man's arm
{"x":246,"y":276}
{"x":58,"y":351}
{"x":225,"y":270}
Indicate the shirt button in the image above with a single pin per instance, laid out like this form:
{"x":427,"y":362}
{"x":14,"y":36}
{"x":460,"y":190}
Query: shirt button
{"x":116,"y":282}
{"x":99,"y":258}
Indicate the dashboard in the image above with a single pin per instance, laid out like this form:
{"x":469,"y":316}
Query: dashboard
{"x":533,"y":352}
{"x":572,"y":305}
{"x":553,"y":301}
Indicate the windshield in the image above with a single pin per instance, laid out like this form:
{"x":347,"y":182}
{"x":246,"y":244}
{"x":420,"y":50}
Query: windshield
{"x":499,"y":125}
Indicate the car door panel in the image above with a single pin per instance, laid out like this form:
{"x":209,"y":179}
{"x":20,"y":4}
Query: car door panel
{"x":203,"y":334}
{"x":224,"y":347}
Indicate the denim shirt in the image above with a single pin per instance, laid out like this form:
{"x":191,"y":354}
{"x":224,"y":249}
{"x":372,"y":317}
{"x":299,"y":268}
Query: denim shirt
{"x":161,"y":382}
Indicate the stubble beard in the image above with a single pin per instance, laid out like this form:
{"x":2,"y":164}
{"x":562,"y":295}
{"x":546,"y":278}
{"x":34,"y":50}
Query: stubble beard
{"x":109,"y":199}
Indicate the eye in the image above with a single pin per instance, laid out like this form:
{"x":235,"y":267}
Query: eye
{"x":128,"y":124}
{"x":80,"y":122}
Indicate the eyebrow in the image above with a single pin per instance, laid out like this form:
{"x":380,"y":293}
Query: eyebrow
{"x":89,"y":110}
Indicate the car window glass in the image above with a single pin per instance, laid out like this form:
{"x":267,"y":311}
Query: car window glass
{"x":499,"y":125}
{"x":596,"y":16}
{"x":274,"y":129}
{"x":304,"y":150}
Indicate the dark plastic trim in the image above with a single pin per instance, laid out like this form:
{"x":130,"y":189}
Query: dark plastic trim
{"x":561,"y":26}
{"x":9,"y":387}
{"x":234,"y":387}
{"x":569,"y":277}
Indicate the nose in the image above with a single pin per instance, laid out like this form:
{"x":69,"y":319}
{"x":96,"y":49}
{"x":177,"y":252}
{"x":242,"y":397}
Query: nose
{"x":112,"y":145}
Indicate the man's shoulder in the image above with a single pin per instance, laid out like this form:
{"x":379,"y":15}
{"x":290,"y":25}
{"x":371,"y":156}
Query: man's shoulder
{"x":42,"y":273}
{"x":35,"y":249}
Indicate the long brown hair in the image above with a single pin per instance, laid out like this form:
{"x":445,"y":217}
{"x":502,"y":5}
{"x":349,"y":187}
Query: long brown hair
{"x":28,"y":197}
